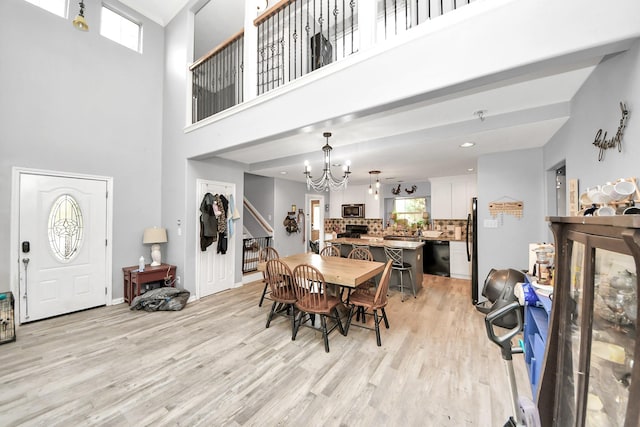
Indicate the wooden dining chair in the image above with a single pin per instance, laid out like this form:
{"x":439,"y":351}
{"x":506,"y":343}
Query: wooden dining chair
{"x":266,"y":254}
{"x":365,"y":254}
{"x":280,"y":280}
{"x":374,"y":300}
{"x":313,"y":299}
{"x":331,"y":250}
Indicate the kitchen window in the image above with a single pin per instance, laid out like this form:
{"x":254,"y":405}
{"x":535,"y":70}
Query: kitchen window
{"x":410,"y":210}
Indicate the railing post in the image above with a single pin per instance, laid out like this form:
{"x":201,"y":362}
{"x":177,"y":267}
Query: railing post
{"x":367,"y":11}
{"x":250,"y":51}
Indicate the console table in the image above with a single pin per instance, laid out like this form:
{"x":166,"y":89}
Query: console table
{"x":134,"y":279}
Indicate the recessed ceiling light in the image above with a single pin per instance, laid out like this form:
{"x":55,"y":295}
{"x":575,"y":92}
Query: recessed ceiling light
{"x":470,"y":170}
{"x":467,"y":144}
{"x":283,"y":172}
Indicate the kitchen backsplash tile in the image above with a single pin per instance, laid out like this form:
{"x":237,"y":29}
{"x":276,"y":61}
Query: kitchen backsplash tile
{"x":447,"y":226}
{"x":339,"y":224}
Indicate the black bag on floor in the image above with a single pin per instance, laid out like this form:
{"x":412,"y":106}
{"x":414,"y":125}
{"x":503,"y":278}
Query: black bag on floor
{"x":161,"y":299}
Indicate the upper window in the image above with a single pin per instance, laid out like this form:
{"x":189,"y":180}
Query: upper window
{"x":58,"y":7}
{"x":120,"y":29}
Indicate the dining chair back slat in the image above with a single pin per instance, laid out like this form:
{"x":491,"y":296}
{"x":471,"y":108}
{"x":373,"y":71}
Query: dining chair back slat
{"x":266,"y":254}
{"x":313,"y":299}
{"x":363,"y":301}
{"x":331,"y":250}
{"x":280,"y":281}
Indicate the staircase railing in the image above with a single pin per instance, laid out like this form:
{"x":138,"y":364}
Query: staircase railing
{"x":251,"y":248}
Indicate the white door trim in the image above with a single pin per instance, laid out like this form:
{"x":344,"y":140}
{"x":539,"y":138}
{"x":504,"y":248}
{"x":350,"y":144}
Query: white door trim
{"x":14,"y":249}
{"x":307,"y":224}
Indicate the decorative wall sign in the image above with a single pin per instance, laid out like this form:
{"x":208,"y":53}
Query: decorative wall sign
{"x":510,"y":208}
{"x":413,"y":189}
{"x":601,"y":141}
{"x":396,"y":190}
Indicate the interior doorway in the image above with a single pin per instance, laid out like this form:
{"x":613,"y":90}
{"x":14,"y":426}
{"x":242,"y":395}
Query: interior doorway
{"x":561,"y":191}
{"x":314,"y":224}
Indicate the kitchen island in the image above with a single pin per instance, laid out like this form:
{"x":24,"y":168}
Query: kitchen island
{"x":412,"y":254}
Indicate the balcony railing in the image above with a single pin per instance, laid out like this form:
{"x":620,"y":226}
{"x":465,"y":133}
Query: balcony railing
{"x":217,"y":78}
{"x":297,"y":37}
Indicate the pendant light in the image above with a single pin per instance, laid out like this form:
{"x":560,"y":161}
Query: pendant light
{"x":79,"y":22}
{"x":376,"y":173}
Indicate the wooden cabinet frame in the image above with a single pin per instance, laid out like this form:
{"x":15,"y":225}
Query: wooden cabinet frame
{"x":619,"y":234}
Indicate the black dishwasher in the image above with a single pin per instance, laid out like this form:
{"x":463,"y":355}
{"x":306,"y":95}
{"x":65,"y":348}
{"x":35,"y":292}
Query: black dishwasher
{"x":435,"y":257}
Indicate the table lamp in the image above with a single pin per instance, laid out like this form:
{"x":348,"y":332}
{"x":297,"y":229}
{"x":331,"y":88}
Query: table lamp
{"x":155,"y":236}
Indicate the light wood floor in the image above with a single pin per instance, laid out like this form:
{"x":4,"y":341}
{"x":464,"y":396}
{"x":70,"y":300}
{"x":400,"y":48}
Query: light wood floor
{"x":215,"y":364}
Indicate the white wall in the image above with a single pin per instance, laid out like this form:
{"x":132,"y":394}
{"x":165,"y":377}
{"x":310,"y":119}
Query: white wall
{"x":76,"y":102}
{"x":288,"y":193}
{"x":594,"y":107}
{"x":512,"y":176}
{"x":524,"y":175}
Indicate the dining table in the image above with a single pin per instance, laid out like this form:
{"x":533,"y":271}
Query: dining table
{"x":345,"y":272}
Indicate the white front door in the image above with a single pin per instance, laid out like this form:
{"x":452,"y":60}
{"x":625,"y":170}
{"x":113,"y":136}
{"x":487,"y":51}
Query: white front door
{"x":215,"y":271}
{"x":63,"y":245}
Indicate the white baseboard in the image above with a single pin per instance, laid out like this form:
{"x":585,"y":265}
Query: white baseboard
{"x":117,"y":301}
{"x":248,"y":278}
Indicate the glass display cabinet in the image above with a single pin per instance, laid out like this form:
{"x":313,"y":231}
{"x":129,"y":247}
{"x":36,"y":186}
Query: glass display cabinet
{"x":590,"y":374}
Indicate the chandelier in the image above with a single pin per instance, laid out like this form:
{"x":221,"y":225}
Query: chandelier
{"x":327,"y":181}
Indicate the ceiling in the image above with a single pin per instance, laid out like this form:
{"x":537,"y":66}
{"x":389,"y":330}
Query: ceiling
{"x":161,"y":12}
{"x":419,"y":140}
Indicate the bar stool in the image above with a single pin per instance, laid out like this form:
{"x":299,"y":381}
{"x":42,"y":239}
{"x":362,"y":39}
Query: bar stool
{"x":398,"y":264}
{"x":355,"y":245}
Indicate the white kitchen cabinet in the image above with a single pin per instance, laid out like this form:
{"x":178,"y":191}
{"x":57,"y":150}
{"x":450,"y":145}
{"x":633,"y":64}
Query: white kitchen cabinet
{"x":459,"y":266}
{"x":451,"y":196}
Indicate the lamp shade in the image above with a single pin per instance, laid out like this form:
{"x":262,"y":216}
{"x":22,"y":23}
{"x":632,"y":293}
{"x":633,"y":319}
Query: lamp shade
{"x":154,"y":235}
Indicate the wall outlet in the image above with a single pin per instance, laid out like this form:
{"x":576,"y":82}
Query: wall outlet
{"x":177,"y":280}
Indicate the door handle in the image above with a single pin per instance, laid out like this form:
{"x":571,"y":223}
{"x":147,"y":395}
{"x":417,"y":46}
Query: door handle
{"x":467,"y":237}
{"x":25,"y":261}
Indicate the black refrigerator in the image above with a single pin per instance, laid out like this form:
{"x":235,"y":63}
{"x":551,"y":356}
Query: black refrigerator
{"x":472,"y":248}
